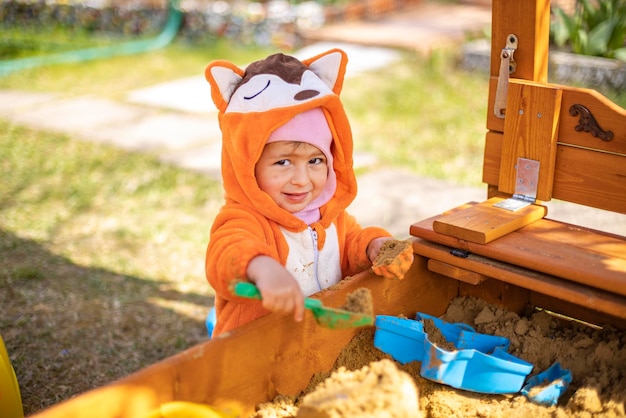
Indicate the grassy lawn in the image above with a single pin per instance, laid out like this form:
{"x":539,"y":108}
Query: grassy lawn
{"x":26,"y":41}
{"x":102,"y":251}
{"x":418,"y":114}
{"x":422,"y":116}
{"x":116,"y":76}
{"x":101,"y":261}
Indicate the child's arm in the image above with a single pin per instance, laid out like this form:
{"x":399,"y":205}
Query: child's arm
{"x":279,"y":290}
{"x":361,"y":244}
{"x":364,"y":245}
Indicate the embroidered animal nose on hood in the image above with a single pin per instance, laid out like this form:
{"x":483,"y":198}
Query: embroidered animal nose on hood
{"x":273,"y":99}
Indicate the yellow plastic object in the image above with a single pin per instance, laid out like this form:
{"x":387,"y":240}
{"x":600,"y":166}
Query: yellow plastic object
{"x":10,"y":397}
{"x":181,"y":409}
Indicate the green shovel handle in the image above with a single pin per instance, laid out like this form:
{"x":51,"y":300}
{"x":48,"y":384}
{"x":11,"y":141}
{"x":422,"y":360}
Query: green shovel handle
{"x":249,"y":290}
{"x":326,"y":317}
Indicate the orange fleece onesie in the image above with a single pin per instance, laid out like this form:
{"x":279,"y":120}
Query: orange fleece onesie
{"x":252,"y":104}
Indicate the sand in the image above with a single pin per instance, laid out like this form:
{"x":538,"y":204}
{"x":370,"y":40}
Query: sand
{"x":596,"y":358}
{"x":359,"y":301}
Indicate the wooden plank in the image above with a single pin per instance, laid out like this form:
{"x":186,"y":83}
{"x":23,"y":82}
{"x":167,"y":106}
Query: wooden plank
{"x":494,"y":124}
{"x":581,"y":176}
{"x":455,"y":272}
{"x":530,"y":128}
{"x":530,"y":21}
{"x":514,"y":298}
{"x":589,"y":178}
{"x":491,"y":158}
{"x":591,"y":258}
{"x":610,"y":303}
{"x":573,"y":311}
{"x":259,"y":360}
{"x":485,"y":222}
{"x":608,"y":116}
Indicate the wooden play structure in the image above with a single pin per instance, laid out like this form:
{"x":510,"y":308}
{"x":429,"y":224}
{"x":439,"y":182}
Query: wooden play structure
{"x":543,"y":142}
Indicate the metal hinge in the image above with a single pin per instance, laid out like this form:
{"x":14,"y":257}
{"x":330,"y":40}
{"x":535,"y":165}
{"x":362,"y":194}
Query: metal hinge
{"x":523,"y":198}
{"x":507,"y":67}
{"x":526,"y":181}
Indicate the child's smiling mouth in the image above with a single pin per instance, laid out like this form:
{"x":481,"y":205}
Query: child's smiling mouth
{"x":296,"y":197}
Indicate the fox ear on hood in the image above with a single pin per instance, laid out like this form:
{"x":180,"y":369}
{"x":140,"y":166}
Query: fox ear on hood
{"x":330,"y":67}
{"x":223,"y":76}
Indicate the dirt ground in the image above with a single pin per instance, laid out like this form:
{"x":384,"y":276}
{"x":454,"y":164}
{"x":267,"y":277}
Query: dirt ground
{"x":367,"y":380}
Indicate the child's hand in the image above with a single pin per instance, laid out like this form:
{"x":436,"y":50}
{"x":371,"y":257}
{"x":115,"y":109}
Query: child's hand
{"x":393,"y":258}
{"x":279,"y":290}
{"x":373,"y":248}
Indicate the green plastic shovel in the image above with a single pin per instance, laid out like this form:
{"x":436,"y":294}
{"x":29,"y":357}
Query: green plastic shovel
{"x":327,"y":317}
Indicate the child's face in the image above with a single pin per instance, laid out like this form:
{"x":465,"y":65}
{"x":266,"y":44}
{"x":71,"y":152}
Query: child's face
{"x":292,"y":173}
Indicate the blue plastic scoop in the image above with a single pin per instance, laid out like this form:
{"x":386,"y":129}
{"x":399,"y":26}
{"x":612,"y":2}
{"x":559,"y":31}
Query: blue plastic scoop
{"x":545,"y":388}
{"x":478,"y":362}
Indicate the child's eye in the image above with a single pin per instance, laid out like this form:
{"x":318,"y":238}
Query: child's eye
{"x":316,"y":161}
{"x":282,"y":162}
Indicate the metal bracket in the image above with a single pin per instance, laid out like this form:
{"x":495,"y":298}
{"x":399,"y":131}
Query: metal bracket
{"x":526,"y":182}
{"x":507,"y":67}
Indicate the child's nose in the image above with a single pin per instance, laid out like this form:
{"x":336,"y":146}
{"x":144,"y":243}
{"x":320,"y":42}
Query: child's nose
{"x":300,"y":175}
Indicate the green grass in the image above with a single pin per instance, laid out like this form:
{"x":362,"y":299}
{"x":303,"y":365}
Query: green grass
{"x":422,"y":115}
{"x":115,"y":77}
{"x":20,"y":42}
{"x":101,"y":250}
{"x":101,"y":261}
{"x":73,"y":196}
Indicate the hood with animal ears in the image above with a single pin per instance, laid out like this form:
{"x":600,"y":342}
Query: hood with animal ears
{"x":254,"y":102}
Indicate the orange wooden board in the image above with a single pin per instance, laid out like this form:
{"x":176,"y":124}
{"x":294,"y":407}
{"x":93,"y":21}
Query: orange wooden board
{"x":530,"y":128}
{"x":530,"y":22}
{"x":456,"y":272}
{"x":582,"y":255}
{"x":485,"y":222}
{"x":595,"y":306}
{"x":583,"y":176}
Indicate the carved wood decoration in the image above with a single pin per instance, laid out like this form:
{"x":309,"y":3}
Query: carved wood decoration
{"x":587,"y":123}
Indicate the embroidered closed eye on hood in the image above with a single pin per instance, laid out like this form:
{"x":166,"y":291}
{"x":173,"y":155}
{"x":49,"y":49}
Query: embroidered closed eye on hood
{"x":255,"y":102}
